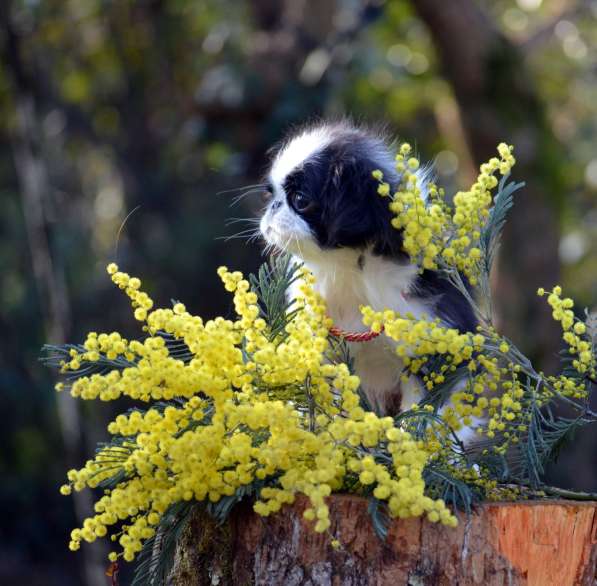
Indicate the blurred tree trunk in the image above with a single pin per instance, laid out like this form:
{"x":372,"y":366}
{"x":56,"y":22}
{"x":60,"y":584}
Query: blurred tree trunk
{"x":498,"y":102}
{"x":33,"y":177}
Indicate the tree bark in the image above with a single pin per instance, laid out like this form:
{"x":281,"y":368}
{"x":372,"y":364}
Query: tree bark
{"x":498,"y":102}
{"x":527,"y":543}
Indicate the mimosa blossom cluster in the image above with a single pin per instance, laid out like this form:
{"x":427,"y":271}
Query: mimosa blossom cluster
{"x":230,"y":406}
{"x":498,"y":388}
{"x":235,"y":412}
{"x":434,"y":234}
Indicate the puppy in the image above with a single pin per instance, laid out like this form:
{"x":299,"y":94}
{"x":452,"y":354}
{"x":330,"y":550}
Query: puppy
{"x":324,"y":209}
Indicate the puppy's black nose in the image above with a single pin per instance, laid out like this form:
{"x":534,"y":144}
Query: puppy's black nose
{"x":276,"y":204}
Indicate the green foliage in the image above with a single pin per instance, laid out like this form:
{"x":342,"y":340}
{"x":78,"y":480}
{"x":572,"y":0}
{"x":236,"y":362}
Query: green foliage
{"x":222,"y":509}
{"x":491,"y":235}
{"x":547,"y":435}
{"x":379,"y":517}
{"x":53,"y":355}
{"x":271,"y":284}
{"x":177,"y":348}
{"x":442,"y":484}
{"x":157,"y":556}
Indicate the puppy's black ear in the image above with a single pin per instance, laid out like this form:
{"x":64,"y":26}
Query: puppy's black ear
{"x":358,"y":215}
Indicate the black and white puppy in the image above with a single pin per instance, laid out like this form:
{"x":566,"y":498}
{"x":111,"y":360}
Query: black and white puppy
{"x":324,"y":208}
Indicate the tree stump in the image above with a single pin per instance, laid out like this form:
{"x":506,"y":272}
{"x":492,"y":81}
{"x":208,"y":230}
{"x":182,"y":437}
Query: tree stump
{"x":541,"y":543}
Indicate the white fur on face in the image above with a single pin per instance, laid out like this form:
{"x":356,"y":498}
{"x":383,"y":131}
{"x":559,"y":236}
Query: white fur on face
{"x":297,"y":151}
{"x":286,"y":230}
{"x":280,"y":225}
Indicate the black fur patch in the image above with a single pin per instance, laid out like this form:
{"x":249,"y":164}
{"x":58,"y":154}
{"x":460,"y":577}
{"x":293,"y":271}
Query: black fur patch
{"x":335,"y":193}
{"x":347,"y":210}
{"x":450,"y":304}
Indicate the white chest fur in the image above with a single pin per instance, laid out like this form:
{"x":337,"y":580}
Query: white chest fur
{"x":348,"y":280}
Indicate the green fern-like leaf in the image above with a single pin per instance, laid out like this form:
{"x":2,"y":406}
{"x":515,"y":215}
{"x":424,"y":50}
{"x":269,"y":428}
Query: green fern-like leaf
{"x":440,"y":483}
{"x":155,"y":560}
{"x":490,"y":236}
{"x":271,"y":284}
{"x":418,"y":421}
{"x":547,"y":435}
{"x":441,"y":391}
{"x":53,"y":355}
{"x":379,"y":517}
{"x":177,"y":348}
{"x":221,"y":509}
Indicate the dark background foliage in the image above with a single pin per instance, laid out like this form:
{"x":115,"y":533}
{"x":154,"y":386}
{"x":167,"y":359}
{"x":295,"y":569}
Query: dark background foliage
{"x":160,"y":105}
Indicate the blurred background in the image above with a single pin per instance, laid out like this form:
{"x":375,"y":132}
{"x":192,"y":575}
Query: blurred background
{"x":158,"y":106}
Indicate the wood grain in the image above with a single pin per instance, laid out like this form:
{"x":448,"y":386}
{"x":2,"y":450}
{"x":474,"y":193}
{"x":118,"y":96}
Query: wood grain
{"x":532,"y":543}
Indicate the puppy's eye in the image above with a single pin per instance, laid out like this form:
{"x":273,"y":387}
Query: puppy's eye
{"x":301,"y":202}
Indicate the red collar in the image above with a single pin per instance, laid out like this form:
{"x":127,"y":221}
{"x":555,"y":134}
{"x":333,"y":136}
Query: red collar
{"x":355,"y":336}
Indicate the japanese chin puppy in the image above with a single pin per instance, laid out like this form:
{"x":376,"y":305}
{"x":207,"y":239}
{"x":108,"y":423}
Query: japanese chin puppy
{"x":324,"y":208}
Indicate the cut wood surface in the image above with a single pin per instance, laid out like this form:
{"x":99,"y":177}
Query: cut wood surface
{"x":542,"y":543}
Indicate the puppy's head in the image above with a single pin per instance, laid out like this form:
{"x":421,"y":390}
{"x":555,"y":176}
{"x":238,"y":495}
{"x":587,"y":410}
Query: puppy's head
{"x":323,"y":196}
